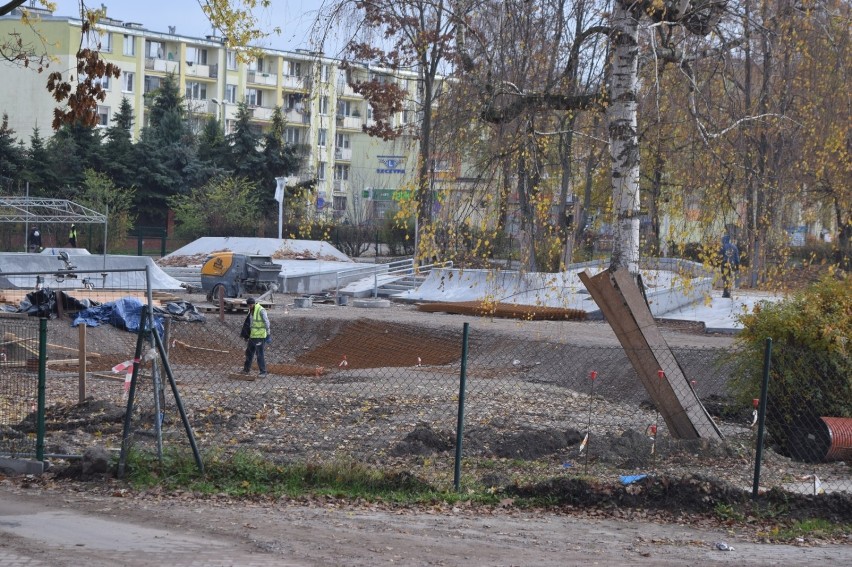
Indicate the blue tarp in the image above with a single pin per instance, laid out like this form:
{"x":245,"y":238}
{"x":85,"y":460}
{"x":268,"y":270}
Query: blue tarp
{"x":124,"y":313}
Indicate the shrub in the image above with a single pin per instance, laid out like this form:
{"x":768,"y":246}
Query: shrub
{"x":811,"y":368}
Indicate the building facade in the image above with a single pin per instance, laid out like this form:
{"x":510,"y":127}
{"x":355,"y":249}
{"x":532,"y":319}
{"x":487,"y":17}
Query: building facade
{"x":357,"y":174}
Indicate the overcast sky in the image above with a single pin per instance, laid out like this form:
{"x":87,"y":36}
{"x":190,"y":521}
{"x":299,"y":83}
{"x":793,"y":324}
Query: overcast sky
{"x":294,"y":17}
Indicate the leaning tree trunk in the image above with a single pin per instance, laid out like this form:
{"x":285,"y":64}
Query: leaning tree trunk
{"x":623,"y":139}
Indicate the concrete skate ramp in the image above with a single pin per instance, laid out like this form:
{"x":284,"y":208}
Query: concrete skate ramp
{"x":54,"y":277}
{"x":278,"y":248}
{"x":621,"y":301}
{"x":670,"y":284}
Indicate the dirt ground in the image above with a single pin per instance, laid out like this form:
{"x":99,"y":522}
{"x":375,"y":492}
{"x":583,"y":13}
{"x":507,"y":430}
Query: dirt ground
{"x":43,"y":524}
{"x":608,"y":531}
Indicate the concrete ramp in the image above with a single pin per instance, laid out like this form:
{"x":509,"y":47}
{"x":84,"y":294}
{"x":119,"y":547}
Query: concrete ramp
{"x":670,"y":284}
{"x":278,"y":248}
{"x":101,"y":272}
{"x":627,"y":313}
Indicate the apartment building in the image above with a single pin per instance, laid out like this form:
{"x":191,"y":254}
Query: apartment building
{"x":357,"y":174}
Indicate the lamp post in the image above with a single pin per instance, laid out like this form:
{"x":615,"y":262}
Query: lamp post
{"x":279,"y":196}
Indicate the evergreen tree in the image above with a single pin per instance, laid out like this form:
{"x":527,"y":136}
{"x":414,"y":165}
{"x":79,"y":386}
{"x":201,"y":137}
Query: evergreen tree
{"x":212,"y":148}
{"x":11,"y":157}
{"x":36,"y":166}
{"x":165,"y":156}
{"x":279,"y":159}
{"x":245,"y":160}
{"x":65,"y":163}
{"x":118,"y":150}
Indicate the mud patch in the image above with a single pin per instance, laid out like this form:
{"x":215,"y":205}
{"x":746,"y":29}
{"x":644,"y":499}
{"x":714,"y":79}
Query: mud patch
{"x":375,"y":344}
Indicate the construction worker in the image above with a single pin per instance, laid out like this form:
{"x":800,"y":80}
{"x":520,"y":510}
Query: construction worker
{"x":259,"y":336}
{"x":72,"y":236}
{"x":35,"y":240}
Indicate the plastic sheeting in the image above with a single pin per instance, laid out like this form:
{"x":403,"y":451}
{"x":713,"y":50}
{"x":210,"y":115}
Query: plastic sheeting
{"x":124,"y":313}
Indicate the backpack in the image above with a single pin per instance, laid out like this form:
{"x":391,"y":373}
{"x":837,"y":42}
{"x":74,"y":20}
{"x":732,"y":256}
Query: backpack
{"x":245,"y":333}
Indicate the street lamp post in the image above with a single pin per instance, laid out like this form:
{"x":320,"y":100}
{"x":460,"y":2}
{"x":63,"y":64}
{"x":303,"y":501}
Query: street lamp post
{"x":279,"y":196}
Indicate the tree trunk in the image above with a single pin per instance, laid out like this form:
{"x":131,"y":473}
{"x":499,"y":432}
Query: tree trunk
{"x":624,"y":143}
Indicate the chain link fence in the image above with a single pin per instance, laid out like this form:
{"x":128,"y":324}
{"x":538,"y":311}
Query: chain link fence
{"x":387,"y":395}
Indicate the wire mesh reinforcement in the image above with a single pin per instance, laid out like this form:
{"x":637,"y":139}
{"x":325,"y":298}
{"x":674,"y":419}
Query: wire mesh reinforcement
{"x":385,"y":395}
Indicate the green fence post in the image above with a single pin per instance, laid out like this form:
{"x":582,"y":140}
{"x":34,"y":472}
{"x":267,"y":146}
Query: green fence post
{"x":761,"y":417}
{"x":460,"y":422}
{"x":42,"y":382}
{"x":163,"y":244}
{"x":139,"y":244}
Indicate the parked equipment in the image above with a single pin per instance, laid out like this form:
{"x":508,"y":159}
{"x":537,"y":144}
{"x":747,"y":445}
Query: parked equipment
{"x":238,"y":274}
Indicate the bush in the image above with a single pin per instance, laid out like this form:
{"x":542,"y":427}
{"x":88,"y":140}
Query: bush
{"x":811,"y":371}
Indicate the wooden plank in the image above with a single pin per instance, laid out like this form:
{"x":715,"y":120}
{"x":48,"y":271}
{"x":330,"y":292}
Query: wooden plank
{"x":625,"y":309}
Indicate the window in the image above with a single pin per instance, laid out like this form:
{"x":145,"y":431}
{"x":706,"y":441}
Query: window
{"x":341,"y":172}
{"x":322,"y":137}
{"x":231,"y":93}
{"x":344,"y":108}
{"x":369,"y":111}
{"x":129,"y":45}
{"x":294,"y":68}
{"x":324,"y":73}
{"x":321,"y":170}
{"x":154,"y":49}
{"x":323,"y":105}
{"x":128,"y":79}
{"x":103,"y":40}
{"x":103,"y":82}
{"x":196,"y":55}
{"x":151,"y":83}
{"x":341,"y":141}
{"x":103,"y":116}
{"x":294,"y":101}
{"x":196,"y":91}
{"x":291,"y":135}
{"x":338,"y":203}
{"x":231,"y":60}
{"x":252,"y":97}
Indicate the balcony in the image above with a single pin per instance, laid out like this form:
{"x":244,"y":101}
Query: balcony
{"x":196,"y":70}
{"x":349,"y":122}
{"x":340,"y":187}
{"x":162,"y":65}
{"x":200,"y":106}
{"x":293,"y":115}
{"x":292,"y":82}
{"x":258,"y":78}
{"x":344,"y":154}
{"x":262,"y":112}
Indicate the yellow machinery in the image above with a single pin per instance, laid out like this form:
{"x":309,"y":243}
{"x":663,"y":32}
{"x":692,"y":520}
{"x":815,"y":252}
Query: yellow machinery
{"x":238,"y":274}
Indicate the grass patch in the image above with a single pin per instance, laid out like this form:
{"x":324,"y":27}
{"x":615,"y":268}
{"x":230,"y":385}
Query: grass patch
{"x":245,"y":474}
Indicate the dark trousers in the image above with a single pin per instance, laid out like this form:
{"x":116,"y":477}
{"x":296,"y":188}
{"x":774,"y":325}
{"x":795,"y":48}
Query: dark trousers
{"x":255,"y":345}
{"x":728,"y":279}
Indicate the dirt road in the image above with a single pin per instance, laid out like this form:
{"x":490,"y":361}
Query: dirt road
{"x":61,"y":527}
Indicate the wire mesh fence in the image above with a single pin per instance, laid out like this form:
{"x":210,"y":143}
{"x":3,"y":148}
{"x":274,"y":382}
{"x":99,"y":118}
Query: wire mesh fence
{"x":386,"y":395}
{"x":18,"y":385}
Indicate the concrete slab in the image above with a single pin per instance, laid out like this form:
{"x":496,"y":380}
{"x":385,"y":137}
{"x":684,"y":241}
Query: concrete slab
{"x":12,"y":467}
{"x":98,"y":269}
{"x":278,"y":248}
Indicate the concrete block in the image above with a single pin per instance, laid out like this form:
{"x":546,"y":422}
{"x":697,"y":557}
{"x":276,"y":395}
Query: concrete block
{"x":15,"y":467}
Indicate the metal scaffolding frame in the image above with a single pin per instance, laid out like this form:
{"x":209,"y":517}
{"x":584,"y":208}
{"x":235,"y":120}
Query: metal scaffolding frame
{"x":46,"y":211}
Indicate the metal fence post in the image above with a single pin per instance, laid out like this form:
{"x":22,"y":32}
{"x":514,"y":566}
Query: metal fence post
{"x":460,"y":422}
{"x":42,"y":384}
{"x":761,"y":417}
